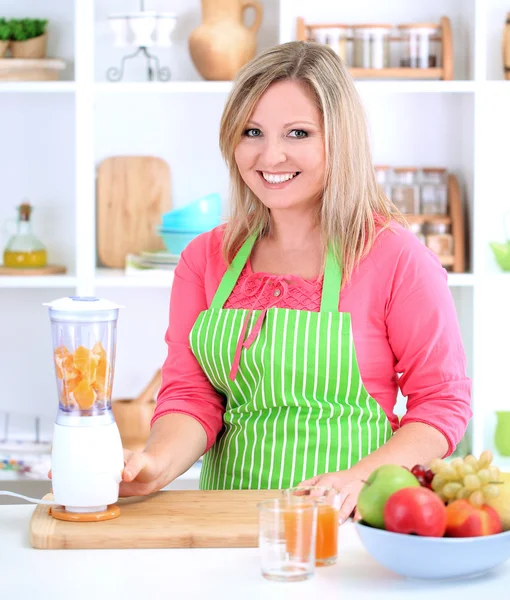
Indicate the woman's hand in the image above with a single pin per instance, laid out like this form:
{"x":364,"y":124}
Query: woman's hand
{"x":142,"y":474}
{"x":348,"y":483}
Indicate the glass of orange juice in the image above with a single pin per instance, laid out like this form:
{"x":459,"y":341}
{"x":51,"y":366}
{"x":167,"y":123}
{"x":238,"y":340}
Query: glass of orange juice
{"x":287,"y":531}
{"x":328,"y":503}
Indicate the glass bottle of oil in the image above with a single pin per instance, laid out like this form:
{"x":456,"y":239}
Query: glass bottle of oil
{"x":24,"y":249}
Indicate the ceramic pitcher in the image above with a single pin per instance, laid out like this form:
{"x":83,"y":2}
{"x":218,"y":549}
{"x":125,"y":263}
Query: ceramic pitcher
{"x":222,"y":44}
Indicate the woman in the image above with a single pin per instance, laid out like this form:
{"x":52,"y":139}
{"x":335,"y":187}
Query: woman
{"x":293,"y":326}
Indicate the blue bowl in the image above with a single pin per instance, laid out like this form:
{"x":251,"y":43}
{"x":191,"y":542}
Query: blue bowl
{"x":176,"y":241}
{"x":435,"y":558}
{"x":201,"y":215}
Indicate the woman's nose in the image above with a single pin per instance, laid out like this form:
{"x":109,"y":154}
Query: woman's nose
{"x":273,"y":153}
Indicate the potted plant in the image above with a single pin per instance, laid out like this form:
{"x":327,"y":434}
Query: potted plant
{"x":5,"y":36}
{"x":28,"y":38}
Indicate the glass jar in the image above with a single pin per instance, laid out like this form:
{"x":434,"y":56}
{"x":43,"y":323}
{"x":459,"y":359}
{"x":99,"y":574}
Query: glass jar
{"x":336,"y":38}
{"x":417,"y":229}
{"x":405,"y":192}
{"x":24,"y":249}
{"x":439,"y":239}
{"x":371,"y":46}
{"x":421,"y":45}
{"x":434,"y":191}
{"x":383,"y":178}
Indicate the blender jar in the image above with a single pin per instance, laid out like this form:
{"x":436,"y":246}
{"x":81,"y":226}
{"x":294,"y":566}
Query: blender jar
{"x":87,"y":455}
{"x":84,"y":332}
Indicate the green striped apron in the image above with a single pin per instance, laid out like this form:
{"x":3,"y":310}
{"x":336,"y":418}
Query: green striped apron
{"x":295,"y":405}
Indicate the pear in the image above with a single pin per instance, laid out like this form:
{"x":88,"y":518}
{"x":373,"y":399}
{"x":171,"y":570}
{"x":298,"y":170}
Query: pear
{"x":501,"y":504}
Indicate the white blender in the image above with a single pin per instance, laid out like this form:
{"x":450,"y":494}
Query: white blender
{"x":87,"y":455}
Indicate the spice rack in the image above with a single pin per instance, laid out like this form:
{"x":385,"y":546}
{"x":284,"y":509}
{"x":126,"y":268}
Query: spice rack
{"x":448,"y":245}
{"x":357,"y":46}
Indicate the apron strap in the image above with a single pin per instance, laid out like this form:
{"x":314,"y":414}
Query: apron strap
{"x":330,"y":287}
{"x":331,"y":284}
{"x":231,"y":276}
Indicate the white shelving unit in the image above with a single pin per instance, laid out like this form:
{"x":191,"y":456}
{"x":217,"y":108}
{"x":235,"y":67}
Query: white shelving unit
{"x":462,"y":124}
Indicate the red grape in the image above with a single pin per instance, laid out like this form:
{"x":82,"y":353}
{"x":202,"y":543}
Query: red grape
{"x":418,"y":470}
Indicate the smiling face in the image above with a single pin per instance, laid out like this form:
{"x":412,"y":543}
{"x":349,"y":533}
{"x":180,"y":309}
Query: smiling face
{"x":281,"y":155}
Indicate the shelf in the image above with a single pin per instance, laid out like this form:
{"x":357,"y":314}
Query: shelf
{"x":461,"y":279}
{"x":41,"y":281}
{"x":416,"y":86}
{"x":37,"y":86}
{"x":117,"y":278}
{"x":224,"y":87}
{"x":168,"y":87}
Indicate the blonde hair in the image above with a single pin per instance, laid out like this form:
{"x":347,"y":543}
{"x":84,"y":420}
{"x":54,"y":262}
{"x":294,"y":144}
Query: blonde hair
{"x":353,"y":203}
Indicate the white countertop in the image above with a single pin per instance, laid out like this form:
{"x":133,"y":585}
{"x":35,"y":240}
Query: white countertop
{"x":27,"y":574}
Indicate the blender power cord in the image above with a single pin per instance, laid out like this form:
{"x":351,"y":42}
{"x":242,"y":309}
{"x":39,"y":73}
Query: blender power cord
{"x":33,"y":500}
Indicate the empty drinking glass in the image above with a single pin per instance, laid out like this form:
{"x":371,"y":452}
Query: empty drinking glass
{"x":287,"y":532}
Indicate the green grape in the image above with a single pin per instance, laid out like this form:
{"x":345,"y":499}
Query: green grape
{"x":438,"y":482}
{"x":448,"y":472}
{"x":451,"y":489}
{"x":490,"y":491}
{"x":469,"y":469}
{"x":471,"y":461}
{"x":459,"y":466}
{"x":436,"y":464}
{"x":463,"y":494}
{"x":494,"y":473}
{"x":484,"y":476}
{"x":471,"y":482}
{"x":485,"y":459}
{"x":476,"y":498}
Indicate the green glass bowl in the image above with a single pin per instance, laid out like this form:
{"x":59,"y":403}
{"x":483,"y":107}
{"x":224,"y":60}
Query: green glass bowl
{"x":501,"y":254}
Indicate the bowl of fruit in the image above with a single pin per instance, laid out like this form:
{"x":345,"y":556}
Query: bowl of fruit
{"x":449,"y":521}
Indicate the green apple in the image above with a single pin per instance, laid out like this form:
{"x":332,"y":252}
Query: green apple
{"x":381,"y":484}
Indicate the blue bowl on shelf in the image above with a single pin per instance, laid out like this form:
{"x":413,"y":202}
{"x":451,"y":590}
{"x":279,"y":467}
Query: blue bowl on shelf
{"x":199,"y":216}
{"x":420,"y":557}
{"x":175,"y":240}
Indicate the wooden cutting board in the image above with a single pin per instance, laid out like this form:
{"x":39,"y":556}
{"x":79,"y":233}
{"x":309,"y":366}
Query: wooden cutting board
{"x":132,"y":194}
{"x":173,"y":519}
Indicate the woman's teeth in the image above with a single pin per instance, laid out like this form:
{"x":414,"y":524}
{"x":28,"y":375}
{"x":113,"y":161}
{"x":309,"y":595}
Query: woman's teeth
{"x":280,"y":178}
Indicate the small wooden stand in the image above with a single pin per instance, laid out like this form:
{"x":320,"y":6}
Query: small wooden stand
{"x":35,"y":271}
{"x":456,"y":261}
{"x":31,"y":69}
{"x":304,"y":32}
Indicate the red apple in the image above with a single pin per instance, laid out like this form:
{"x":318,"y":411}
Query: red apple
{"x":416,"y":511}
{"x":463,"y":519}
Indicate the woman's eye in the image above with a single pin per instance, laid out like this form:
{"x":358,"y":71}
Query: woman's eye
{"x":298,"y":133}
{"x":252,"y":132}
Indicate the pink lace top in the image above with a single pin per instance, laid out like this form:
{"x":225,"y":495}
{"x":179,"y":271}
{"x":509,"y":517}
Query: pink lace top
{"x":260,"y":291}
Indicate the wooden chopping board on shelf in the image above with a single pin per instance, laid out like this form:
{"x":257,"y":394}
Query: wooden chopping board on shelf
{"x":172,"y":519}
{"x":132,"y":194}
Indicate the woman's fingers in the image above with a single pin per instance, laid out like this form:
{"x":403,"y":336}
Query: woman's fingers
{"x":135,"y":463}
{"x":346,"y":509}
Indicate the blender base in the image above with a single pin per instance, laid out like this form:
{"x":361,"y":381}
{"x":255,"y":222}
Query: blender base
{"x":112,"y":511}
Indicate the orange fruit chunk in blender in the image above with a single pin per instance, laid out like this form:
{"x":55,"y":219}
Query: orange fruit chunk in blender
{"x":84,"y":395}
{"x":85,"y":375}
{"x":86,"y":362}
{"x":61,"y":353}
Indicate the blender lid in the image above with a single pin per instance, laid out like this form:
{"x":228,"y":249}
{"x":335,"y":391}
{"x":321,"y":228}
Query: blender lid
{"x":82,"y":304}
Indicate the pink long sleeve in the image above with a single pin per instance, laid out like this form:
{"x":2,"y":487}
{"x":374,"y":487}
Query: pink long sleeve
{"x":404,"y":324}
{"x":185,"y":388}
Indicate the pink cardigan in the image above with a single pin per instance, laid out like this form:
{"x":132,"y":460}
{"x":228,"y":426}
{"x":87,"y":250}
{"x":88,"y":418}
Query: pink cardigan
{"x":404,"y":323}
